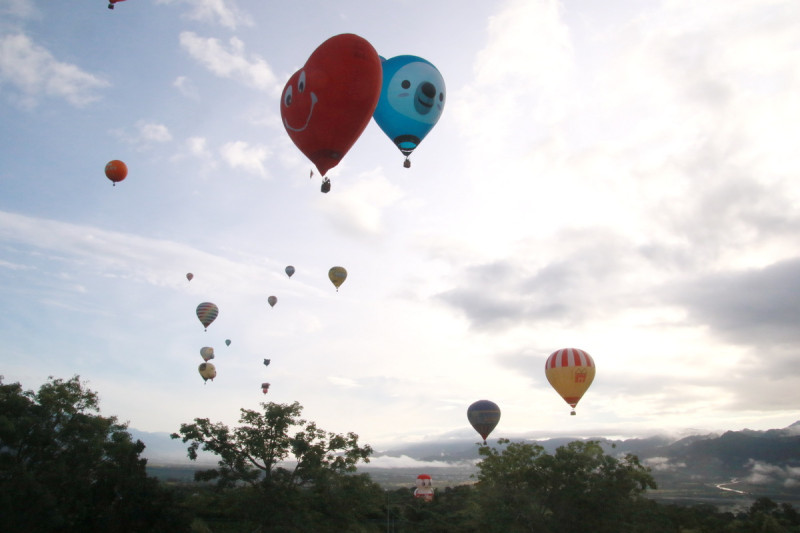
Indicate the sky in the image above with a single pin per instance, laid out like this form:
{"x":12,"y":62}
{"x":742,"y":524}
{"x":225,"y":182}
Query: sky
{"x":623,"y":178}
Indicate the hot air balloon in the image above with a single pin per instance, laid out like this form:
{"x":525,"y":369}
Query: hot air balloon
{"x":411,"y":102}
{"x":484,"y":416}
{"x":424,"y":488}
{"x":112,"y":2}
{"x":265,"y":388}
{"x":570,"y":371}
{"x":289,"y":270}
{"x":227,"y":342}
{"x":207,"y":371}
{"x":267,"y":362}
{"x":272,"y":300}
{"x":116,"y":171}
{"x":207,"y":353}
{"x":207,"y":312}
{"x":326,"y":105}
{"x":337,"y":275}
{"x":189,"y":276}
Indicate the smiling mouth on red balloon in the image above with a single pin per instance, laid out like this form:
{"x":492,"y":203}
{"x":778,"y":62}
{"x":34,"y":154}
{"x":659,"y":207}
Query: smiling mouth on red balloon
{"x":308,"y":118}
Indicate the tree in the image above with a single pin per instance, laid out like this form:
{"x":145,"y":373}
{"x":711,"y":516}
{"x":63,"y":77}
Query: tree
{"x":285,"y":472}
{"x":578,"y":488}
{"x":64,"y":467}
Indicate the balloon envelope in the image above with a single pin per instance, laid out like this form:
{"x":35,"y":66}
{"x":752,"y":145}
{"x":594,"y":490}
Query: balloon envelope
{"x":326,"y":105}
{"x":272,"y":300}
{"x":484,"y":416}
{"x":289,"y":270}
{"x":189,"y":276}
{"x":207,"y":371}
{"x":411,"y":102}
{"x":337,"y":275}
{"x":116,"y":170}
{"x":207,"y":353}
{"x":570,"y":371}
{"x":424,"y":488}
{"x":227,"y":342}
{"x":207,"y":313}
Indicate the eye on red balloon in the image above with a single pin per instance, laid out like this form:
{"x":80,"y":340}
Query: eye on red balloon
{"x":116,"y":170}
{"x":327,"y":104}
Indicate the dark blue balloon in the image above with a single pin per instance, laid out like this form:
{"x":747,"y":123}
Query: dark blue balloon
{"x":411,"y":102}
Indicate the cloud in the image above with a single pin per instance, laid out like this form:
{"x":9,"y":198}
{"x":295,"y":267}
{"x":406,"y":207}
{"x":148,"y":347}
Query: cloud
{"x":146,"y":134}
{"x":587,"y":273}
{"x":753,"y":306}
{"x":151,"y":131}
{"x":223,"y":12}
{"x":103,"y":253}
{"x":34,"y":72}
{"x":24,"y":9}
{"x":404,"y":461}
{"x":765,"y":474}
{"x":663,"y":464}
{"x":239,"y":154}
{"x":186,"y":87}
{"x":346,"y":383}
{"x":231,"y":63}
{"x":361,"y":210}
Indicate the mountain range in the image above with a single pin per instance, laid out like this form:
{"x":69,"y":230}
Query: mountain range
{"x":732,"y":465}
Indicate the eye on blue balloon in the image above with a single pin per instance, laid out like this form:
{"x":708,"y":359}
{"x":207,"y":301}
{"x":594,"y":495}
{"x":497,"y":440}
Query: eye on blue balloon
{"x":411,"y":102}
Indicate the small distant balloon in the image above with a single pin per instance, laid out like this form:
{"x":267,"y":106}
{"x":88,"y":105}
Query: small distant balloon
{"x":289,"y":270}
{"x":337,"y":275}
{"x":265,"y":388}
{"x":207,"y":371}
{"x":207,"y":313}
{"x":207,"y":353}
{"x":267,"y":362}
{"x":116,"y":171}
{"x":189,"y":276}
{"x":483,"y":415}
{"x":227,"y":342}
{"x":272,"y":301}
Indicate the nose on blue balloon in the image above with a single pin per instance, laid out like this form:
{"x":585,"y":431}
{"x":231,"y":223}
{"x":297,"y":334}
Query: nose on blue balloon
{"x":411,"y":102}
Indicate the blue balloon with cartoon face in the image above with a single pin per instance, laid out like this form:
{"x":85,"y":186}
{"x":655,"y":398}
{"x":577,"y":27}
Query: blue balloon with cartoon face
{"x":411,"y":102}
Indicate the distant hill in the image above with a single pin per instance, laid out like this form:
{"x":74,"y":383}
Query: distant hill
{"x":732,"y":467}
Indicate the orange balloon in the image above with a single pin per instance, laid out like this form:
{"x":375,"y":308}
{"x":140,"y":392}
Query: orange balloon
{"x":116,"y":170}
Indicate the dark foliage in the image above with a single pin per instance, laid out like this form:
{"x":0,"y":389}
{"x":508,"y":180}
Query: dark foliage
{"x":64,"y":467}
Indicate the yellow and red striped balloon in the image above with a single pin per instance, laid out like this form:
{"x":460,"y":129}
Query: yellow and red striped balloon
{"x":570,"y":371}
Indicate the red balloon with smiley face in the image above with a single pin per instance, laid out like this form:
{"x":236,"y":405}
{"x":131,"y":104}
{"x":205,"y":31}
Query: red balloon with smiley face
{"x":326,"y":105}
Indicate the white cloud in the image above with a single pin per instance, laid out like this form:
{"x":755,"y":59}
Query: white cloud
{"x":198,"y":146}
{"x":152,"y":131}
{"x":404,"y":461}
{"x":240,"y":154}
{"x":34,"y":71}
{"x":231,"y":62}
{"x":762,"y":473}
{"x":663,"y":464}
{"x":186,"y":87}
{"x":346,"y":383}
{"x":361,"y":209}
{"x":223,"y":12}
